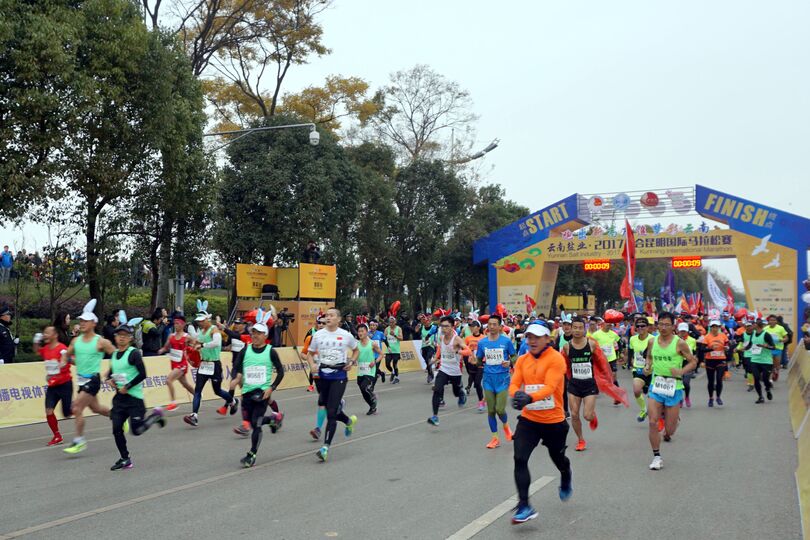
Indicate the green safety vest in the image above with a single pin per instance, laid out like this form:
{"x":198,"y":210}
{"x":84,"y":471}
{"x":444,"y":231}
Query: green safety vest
{"x":257,"y":369}
{"x":763,"y":356}
{"x":365,"y":360}
{"x":209,"y":355}
{"x":123,"y":372}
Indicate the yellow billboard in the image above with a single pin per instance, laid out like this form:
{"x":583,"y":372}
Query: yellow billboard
{"x":317,"y":281}
{"x":250,"y":278}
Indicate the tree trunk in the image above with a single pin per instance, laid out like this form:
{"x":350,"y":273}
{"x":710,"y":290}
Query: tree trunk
{"x":155,"y":271}
{"x":92,"y":257}
{"x":164,"y":264}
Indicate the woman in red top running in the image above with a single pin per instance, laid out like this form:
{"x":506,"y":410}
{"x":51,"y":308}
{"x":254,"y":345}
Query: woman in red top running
{"x":57,"y":374}
{"x":176,"y":348}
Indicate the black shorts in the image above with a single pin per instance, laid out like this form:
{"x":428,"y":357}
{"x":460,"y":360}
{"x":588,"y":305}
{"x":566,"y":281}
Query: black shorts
{"x":583,"y":387}
{"x":613,"y":366}
{"x":715,"y":364}
{"x":60,"y":392}
{"x":92,"y":386}
{"x":646,"y":378}
{"x":125,"y":406}
{"x":392,"y":356}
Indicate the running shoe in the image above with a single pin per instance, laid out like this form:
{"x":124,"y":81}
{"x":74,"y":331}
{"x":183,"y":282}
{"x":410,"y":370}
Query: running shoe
{"x":667,"y":437}
{"x":581,"y":445}
{"x":711,"y":402}
{"x":76,"y":447}
{"x":122,"y":464}
{"x":769,"y":394}
{"x":462,"y":398}
{"x":350,"y":426}
{"x":616,"y":402}
{"x":171,"y":406}
{"x":57,"y":439}
{"x":249,"y":460}
{"x":372,"y":411}
{"x":523,"y":513}
{"x":276,"y":422}
{"x":567,"y":489}
{"x":688,"y":403}
{"x":429,"y":380}
{"x":395,"y":380}
{"x":442,"y":404}
{"x":315,"y":433}
{"x":594,"y":423}
{"x":323,"y":453}
{"x":719,"y":402}
{"x":750,"y":388}
{"x":234,"y":406}
{"x":161,"y":420}
{"x":641,"y":416}
{"x":657,"y":463}
{"x":222,"y":411}
{"x":311,"y":388}
{"x":482,"y":406}
{"x":758,"y":401}
{"x":241,"y":430}
{"x":433,"y":420}
{"x":507,"y":432}
{"x":191,"y":419}
{"x":494,"y":443}
{"x":660,"y":425}
{"x":382,"y":375}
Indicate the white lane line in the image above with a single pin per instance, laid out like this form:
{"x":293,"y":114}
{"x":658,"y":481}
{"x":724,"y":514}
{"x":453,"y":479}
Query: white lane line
{"x":478,"y":525}
{"x":44,"y":448}
{"x":203,"y":482}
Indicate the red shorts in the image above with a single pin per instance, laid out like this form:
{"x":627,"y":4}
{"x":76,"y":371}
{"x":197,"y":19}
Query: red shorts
{"x":182,"y":366}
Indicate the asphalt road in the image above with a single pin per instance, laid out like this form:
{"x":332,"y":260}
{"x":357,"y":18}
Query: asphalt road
{"x":729,"y":473}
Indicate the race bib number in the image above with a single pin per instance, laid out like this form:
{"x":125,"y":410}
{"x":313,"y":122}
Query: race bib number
{"x":582,"y":370}
{"x":363,"y":369}
{"x":255,"y":375}
{"x":392,"y":338}
{"x":176,"y":355}
{"x":52,"y":367}
{"x":206,"y":368}
{"x":639,"y":361}
{"x":607,"y":350}
{"x":331,"y":357}
{"x":494,"y":357}
{"x":717,"y":355}
{"x":756,"y":349}
{"x":448,"y":358}
{"x":664,"y":386}
{"x":541,"y":405}
{"x":120,"y":378}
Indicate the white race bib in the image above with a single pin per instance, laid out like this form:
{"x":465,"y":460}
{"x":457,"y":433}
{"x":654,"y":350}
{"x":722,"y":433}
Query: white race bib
{"x":543,"y":404}
{"x":494,"y":357}
{"x":639,"y":361}
{"x":206,"y":368}
{"x":756,"y":349}
{"x":331,"y":357}
{"x":582,"y":370}
{"x":176,"y":355}
{"x":363,"y":369}
{"x":717,"y":355}
{"x":52,"y":367}
{"x":607,"y":350}
{"x":120,"y":378}
{"x":664,"y":386}
{"x":255,"y":375}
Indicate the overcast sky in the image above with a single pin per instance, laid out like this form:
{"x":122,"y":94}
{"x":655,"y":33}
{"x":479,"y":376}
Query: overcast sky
{"x":593,"y":95}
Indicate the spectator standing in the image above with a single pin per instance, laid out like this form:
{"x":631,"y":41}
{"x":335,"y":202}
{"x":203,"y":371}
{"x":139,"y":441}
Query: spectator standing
{"x":6,"y":262}
{"x":8,"y":343}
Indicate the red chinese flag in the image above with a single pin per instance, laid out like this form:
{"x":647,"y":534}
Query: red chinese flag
{"x":629,"y":256}
{"x":530,"y":304}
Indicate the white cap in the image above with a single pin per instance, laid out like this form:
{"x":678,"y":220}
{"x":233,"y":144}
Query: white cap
{"x":538,"y":330}
{"x":714,"y":323}
{"x":88,"y":316}
{"x":202,"y":316}
{"x":260,"y":327}
{"x":683,"y":327}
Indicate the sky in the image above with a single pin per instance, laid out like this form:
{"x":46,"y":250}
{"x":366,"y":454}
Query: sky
{"x":590,"y":96}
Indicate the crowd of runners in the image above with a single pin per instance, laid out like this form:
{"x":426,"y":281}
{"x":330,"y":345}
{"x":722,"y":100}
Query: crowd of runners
{"x":548,"y":370}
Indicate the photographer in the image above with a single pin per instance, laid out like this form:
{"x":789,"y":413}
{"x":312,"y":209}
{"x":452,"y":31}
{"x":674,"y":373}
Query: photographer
{"x":312,"y":254}
{"x":153,"y":333}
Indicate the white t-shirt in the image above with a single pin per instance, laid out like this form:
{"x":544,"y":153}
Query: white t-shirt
{"x":332,"y":348}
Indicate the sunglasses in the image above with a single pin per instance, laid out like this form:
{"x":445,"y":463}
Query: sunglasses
{"x":445,"y":326}
{"x":641,"y":326}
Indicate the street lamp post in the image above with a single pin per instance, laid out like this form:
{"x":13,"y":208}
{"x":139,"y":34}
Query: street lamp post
{"x":314,"y":136}
{"x":466,"y":159}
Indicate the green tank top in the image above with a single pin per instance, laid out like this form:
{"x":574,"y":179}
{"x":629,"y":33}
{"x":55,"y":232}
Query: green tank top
{"x":606,"y":341}
{"x":123,"y":372}
{"x":746,"y":339}
{"x":209,"y":355}
{"x":665,"y":359}
{"x":365,"y":360}
{"x":427,"y":341}
{"x":638,"y":347}
{"x":88,"y":357}
{"x":393,"y":339}
{"x":692,"y":342}
{"x":758,"y":353}
{"x":563,"y":342}
{"x":257,"y":369}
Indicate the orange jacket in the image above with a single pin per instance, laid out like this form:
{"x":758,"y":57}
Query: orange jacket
{"x":547,"y":370}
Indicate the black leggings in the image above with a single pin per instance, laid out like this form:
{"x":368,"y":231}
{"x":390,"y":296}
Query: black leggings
{"x":442,"y":379}
{"x":475,"y":375}
{"x":762,"y":374}
{"x":427,"y":354}
{"x":125,"y":406}
{"x":714,"y":376}
{"x":528,"y":435}
{"x":216,"y":384}
{"x":366,"y":384}
{"x":253,"y":410}
{"x":329,"y":397}
{"x":391,"y":361}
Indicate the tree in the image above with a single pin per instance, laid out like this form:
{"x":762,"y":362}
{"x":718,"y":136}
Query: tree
{"x":326,"y":105}
{"x":418,"y":107}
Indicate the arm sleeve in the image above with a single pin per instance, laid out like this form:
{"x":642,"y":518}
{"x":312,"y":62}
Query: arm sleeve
{"x":433,"y":330}
{"x":216,"y":341}
{"x":769,"y":339}
{"x":233,"y":334}
{"x":135,"y":359}
{"x":278,"y":367}
{"x":239,"y":361}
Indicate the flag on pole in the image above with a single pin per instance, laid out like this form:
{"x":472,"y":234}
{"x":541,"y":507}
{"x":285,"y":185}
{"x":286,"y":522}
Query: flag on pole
{"x":729,"y":301}
{"x":530,"y":304}
{"x":629,"y":256}
{"x":715,"y":292}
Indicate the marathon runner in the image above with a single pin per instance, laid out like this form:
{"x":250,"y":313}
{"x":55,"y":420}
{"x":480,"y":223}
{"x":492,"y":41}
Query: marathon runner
{"x":715,"y":356}
{"x":209,"y":343}
{"x":333,"y":345}
{"x":429,"y":332}
{"x":496,"y":351}
{"x":87,"y":350}
{"x":761,"y":346}
{"x":537,"y":391}
{"x":743,"y":339}
{"x":320,"y":417}
{"x":475,"y":371}
{"x":665,"y":363}
{"x":637,"y":349}
{"x":176,"y":347}
{"x":683,"y":333}
{"x":125,"y":376}
{"x":580,"y":353}
{"x":58,"y":377}
{"x":378,"y":338}
{"x":366,"y":367}
{"x":450,"y":346}
{"x":779,"y":336}
{"x":255,"y":365}
{"x":393,"y":335}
